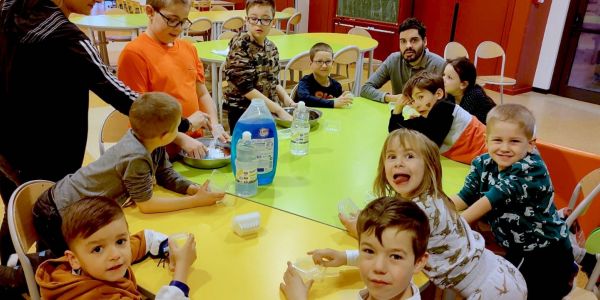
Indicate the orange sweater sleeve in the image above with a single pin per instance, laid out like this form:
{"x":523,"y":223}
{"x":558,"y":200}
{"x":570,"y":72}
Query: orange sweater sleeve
{"x":138,"y":246}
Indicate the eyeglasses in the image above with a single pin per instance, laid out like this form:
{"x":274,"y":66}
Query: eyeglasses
{"x":323,"y":62}
{"x":174,"y":22}
{"x":263,"y":21}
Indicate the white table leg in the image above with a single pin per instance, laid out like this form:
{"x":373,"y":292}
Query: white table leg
{"x":358,"y":74}
{"x":102,"y":47}
{"x":370,"y":62}
{"x":215,"y":82}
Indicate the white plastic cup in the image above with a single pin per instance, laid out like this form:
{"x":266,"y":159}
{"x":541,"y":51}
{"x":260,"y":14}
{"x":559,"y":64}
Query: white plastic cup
{"x":246,"y":224}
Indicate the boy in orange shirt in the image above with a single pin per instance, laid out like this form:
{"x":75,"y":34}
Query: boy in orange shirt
{"x":158,"y":61}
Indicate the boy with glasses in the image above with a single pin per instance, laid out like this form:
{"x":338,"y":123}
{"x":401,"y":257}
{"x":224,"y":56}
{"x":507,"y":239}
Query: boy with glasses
{"x":319,"y":89}
{"x":252,"y":66}
{"x":158,"y":61}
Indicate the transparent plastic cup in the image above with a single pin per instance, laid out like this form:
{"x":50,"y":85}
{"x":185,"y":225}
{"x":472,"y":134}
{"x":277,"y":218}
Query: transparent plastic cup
{"x":284,"y":134}
{"x":179,"y":238}
{"x":307,"y":268}
{"x":348,"y":208}
{"x":332,"y":125}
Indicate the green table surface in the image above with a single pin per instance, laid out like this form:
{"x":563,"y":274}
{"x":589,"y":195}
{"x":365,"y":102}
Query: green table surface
{"x":291,"y":45}
{"x":340,"y":164}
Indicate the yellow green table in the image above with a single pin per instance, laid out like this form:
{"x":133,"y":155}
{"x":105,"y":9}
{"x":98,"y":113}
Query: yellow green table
{"x":340,"y":164}
{"x":233,"y":267}
{"x":288,"y":47}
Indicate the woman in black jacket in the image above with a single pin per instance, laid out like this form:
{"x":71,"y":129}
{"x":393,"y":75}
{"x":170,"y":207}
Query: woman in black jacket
{"x":47,"y":69}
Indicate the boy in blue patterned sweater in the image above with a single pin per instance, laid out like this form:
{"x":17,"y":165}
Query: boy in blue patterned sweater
{"x":511,"y":185}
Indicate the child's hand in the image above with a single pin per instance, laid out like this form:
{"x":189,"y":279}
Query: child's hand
{"x":205,"y":197}
{"x":192,"y":147}
{"x":328,"y":257}
{"x":199,"y":120}
{"x":349,"y":224}
{"x":292,"y":286}
{"x":217,"y":130}
{"x":400,"y":103}
{"x":342,"y":101}
{"x":182,"y":258}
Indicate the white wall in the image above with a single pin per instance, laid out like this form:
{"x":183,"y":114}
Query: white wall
{"x":302,"y":7}
{"x":551,"y":44}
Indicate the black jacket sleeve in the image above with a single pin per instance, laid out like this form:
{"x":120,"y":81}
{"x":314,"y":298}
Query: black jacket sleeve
{"x":435,"y":126}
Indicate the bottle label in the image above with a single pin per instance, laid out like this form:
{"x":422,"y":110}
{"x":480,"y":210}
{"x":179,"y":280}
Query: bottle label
{"x":264,"y":154}
{"x":245,"y":176}
{"x":300,"y":135}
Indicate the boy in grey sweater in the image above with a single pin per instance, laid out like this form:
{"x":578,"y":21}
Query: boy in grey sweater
{"x":127,"y":170}
{"x":400,"y":66}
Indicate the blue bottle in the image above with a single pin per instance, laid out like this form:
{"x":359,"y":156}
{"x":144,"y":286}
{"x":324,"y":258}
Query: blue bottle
{"x":257,"y":119}
{"x":245,"y":163}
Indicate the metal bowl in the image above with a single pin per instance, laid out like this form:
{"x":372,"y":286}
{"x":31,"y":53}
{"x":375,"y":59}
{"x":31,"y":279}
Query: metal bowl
{"x":209,"y":163}
{"x":314,"y":117}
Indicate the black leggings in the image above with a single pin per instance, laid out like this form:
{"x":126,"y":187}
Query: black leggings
{"x":47,"y":222}
{"x":548,"y":272}
{"x":7,"y":187}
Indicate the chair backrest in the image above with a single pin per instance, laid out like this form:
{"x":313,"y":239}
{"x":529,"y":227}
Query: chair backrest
{"x":289,"y":10}
{"x":233,"y":24}
{"x":292,"y":22}
{"x":346,"y":55}
{"x":218,"y":8}
{"x":115,"y":11}
{"x":202,"y":4}
{"x":114,"y":127}
{"x":226,"y":35}
{"x":294,"y":92}
{"x":359,"y":31}
{"x":567,"y":167}
{"x":275,"y":31}
{"x":455,"y":50}
{"x":200,"y":24}
{"x":489,"y":49}
{"x":299,"y":62}
{"x":589,"y":188}
{"x":20,"y":225}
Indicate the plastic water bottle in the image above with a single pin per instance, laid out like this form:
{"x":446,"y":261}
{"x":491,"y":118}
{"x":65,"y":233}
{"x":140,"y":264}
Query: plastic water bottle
{"x":257,"y":120}
{"x":300,"y":130}
{"x":246,"y":182}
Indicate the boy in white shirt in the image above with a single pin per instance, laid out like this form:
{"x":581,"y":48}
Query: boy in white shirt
{"x":392,"y":237}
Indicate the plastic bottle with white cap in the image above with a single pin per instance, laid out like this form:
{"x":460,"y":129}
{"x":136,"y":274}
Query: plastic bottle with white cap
{"x":246,"y":182}
{"x":300,"y":129}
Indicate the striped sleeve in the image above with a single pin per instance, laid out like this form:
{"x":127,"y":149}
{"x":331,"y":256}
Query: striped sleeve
{"x":101,"y":78}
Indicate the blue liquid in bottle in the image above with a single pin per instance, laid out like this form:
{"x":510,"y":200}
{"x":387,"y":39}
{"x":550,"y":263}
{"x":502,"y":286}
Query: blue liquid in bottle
{"x":257,"y":119}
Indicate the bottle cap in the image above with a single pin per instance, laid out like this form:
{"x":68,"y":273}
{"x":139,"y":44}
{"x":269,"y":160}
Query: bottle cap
{"x":246,"y":136}
{"x":301,"y":105}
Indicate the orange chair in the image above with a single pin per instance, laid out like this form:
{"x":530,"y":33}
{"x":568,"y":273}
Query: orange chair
{"x":567,"y":167}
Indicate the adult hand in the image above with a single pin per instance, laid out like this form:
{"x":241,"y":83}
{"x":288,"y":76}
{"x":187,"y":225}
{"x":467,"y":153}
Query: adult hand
{"x":292,"y":286}
{"x":328,"y":257}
